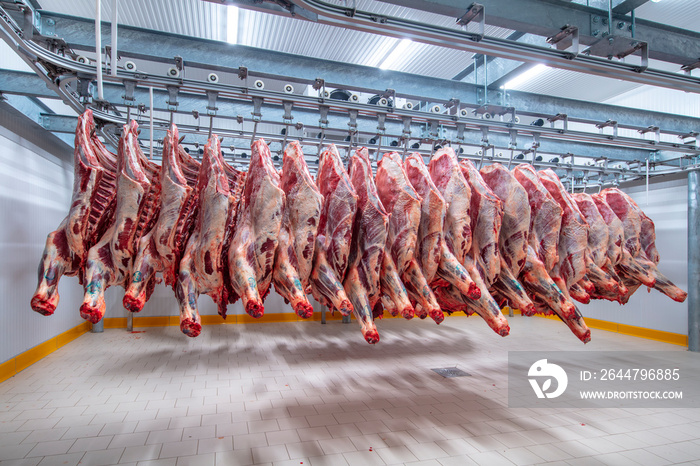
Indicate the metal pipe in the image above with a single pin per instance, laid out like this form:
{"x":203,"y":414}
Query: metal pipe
{"x":98,"y":327}
{"x":113,"y":58}
{"x":610,"y":6}
{"x":150,"y":118}
{"x":335,"y":15}
{"x":129,"y":321}
{"x":693,"y":260}
{"x":98,"y":47}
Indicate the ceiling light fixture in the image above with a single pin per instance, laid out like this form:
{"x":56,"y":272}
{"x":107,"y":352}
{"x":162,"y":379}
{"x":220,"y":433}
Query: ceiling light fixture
{"x":232,"y":24}
{"x":525,"y":76}
{"x":395,"y":54}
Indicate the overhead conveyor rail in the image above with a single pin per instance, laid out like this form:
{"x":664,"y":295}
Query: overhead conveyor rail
{"x":241,"y":104}
{"x":350,"y":17}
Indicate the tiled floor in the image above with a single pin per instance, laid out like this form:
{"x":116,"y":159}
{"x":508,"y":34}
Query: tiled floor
{"x":306,"y":393}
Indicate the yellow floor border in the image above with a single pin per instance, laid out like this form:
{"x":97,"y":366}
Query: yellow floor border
{"x":29,"y":357}
{"x":641,"y":332}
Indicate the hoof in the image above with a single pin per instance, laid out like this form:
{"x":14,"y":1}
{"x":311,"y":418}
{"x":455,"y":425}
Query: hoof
{"x":304,"y":310}
{"x":586,"y":337}
{"x":190,"y":328}
{"x":90,"y":313}
{"x":255,"y":309}
{"x":529,"y":310}
{"x":345,"y":308}
{"x":372,"y":337}
{"x":43,"y":307}
{"x":132,"y":304}
{"x":437,"y":316}
{"x":474,"y":291}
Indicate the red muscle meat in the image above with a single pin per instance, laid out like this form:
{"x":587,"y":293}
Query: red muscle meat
{"x":110,"y":261}
{"x":367,"y":251}
{"x":161,"y":250}
{"x":514,"y":235}
{"x":404,"y":207}
{"x":297,"y":238}
{"x":204,"y":265}
{"x":256,"y":236}
{"x":334,"y":232}
{"x":448,"y":178}
{"x":92,"y":205}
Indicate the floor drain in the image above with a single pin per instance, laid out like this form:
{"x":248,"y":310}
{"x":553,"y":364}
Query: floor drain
{"x":451,"y":372}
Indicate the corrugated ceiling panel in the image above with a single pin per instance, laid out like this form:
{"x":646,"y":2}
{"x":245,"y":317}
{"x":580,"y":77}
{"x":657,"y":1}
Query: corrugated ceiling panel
{"x":194,"y":18}
{"x":660,"y":100}
{"x":683,"y":14}
{"x":573,"y":85}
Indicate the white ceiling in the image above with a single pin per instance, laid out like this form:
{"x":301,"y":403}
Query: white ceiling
{"x":198,"y":18}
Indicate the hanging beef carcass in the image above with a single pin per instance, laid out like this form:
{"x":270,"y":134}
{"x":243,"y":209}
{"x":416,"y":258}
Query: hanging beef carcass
{"x":548,"y":292}
{"x":204,"y":265}
{"x":452,"y":234}
{"x":439,"y":266}
{"x":404,"y":206}
{"x":448,"y":178}
{"x":597,"y":252}
{"x":109,"y":262}
{"x":297,"y":238}
{"x":573,"y":236}
{"x":334,"y":232}
{"x":640,"y":238}
{"x":367,"y":250}
{"x":513,"y":237}
{"x":92,"y":205}
{"x":256,"y":233}
{"x":486,"y":216}
{"x":161,"y":250}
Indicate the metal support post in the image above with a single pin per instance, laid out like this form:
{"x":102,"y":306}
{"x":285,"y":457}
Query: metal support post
{"x":113,"y":59}
{"x":694,"y":260}
{"x":98,"y":327}
{"x":129,"y":321}
{"x":98,"y":48}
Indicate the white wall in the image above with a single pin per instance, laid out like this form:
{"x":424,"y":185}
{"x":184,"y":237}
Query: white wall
{"x":35,"y":190}
{"x":668,"y":208}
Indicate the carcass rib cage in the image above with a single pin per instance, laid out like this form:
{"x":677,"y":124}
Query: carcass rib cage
{"x":414,"y":239}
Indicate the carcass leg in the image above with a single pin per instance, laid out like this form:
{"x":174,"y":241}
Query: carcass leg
{"x":637,"y":270}
{"x":393,"y":287}
{"x":144,"y":273}
{"x":360,"y":305}
{"x":508,"y":286}
{"x":243,"y":280}
{"x":486,"y":306}
{"x":536,"y":280}
{"x":326,"y":287}
{"x":97,"y":276}
{"x":453,"y":272}
{"x":186,"y":294}
{"x":288,"y":285}
{"x":389,"y":305}
{"x":579,"y":293}
{"x":55,"y":262}
{"x":666,"y":286}
{"x":419,"y":290}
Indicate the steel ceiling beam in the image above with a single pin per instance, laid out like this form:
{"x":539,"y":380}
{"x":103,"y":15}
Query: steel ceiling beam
{"x":547,"y":17}
{"x":626,"y":6}
{"x":24,"y":83}
{"x":501,"y":141}
{"x":79,"y":32}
